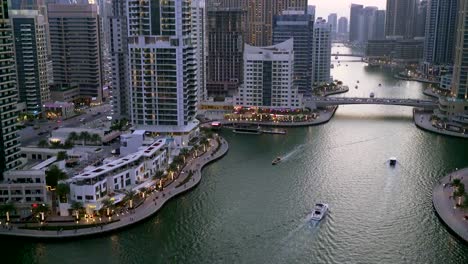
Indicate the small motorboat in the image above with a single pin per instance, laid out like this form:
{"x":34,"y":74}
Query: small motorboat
{"x":336,"y":57}
{"x":380,"y":84}
{"x":357,"y":81}
{"x":320,"y":211}
{"x":356,"y":86}
{"x":276,"y":161}
{"x":372,"y":95}
{"x":392,"y":161}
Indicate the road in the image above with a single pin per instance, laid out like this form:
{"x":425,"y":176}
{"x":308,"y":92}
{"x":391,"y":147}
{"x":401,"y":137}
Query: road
{"x":29,"y":135}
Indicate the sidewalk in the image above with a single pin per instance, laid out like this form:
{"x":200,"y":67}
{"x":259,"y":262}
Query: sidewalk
{"x":150,"y":206}
{"x":444,"y":205}
{"x":423,"y":121}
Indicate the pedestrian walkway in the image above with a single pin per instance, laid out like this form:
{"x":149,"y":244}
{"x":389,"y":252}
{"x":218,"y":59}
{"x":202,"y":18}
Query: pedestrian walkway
{"x":152,"y":204}
{"x":423,"y":121}
{"x":444,"y":204}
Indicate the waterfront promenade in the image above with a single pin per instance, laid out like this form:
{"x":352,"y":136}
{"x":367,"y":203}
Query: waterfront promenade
{"x":444,"y":205}
{"x":422,"y":119}
{"x":151,"y":205}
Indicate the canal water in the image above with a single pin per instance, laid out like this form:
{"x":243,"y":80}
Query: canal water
{"x":247,"y":211}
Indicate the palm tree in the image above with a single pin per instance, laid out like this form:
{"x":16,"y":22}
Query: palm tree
{"x":84,"y":136}
{"x":41,"y":210}
{"x":95,"y":138}
{"x":173,"y":167}
{"x":73,"y":136}
{"x":53,"y":175}
{"x":62,"y":191}
{"x":6,"y":208}
{"x":184,"y":152}
{"x":456,"y":182}
{"x":158,"y":175}
{"x":43,"y":143}
{"x":129,"y":196}
{"x":108,"y":205}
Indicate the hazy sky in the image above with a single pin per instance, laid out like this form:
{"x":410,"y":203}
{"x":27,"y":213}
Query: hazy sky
{"x":325,"y":7}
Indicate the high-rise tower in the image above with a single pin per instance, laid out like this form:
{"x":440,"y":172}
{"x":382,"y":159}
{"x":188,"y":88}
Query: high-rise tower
{"x":9,"y":139}
{"x":401,"y":18}
{"x":162,"y":66}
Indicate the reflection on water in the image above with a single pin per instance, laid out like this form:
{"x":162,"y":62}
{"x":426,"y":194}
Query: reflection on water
{"x":247,"y":211}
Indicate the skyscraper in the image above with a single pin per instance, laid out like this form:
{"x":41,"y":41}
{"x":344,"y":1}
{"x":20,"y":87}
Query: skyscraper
{"x":268,"y":77}
{"x":367,"y":25}
{"x":311,"y":10}
{"x":333,"y":21}
{"x":118,"y":50}
{"x":162,"y":66}
{"x":321,"y":52}
{"x":300,"y":27}
{"x":298,"y":5}
{"x":343,"y":25}
{"x":260,"y":19}
{"x":401,"y":18}
{"x":460,"y":70}
{"x":421,"y":18}
{"x":225,"y":31}
{"x":439,"y":44}
{"x":354,"y":23}
{"x":75,"y":39}
{"x":9,"y":139}
{"x":31,"y":57}
{"x":379,"y":28}
{"x":199,"y":40}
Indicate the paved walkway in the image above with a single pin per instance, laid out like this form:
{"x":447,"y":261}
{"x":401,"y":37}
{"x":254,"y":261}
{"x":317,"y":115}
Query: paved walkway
{"x":150,"y":206}
{"x":445,"y":205}
{"x":423,"y":121}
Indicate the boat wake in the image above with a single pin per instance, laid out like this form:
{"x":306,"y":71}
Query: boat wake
{"x":293,"y":152}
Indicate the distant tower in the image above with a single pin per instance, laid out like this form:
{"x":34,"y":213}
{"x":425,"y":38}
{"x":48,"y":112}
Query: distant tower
{"x":460,"y":71}
{"x":333,"y":21}
{"x":354,"y":23}
{"x":321,"y":53}
{"x":343,"y":25}
{"x":401,"y":18}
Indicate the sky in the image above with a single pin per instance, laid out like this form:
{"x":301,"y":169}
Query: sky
{"x":325,"y":7}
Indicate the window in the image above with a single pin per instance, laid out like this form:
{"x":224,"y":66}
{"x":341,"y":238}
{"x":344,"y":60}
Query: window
{"x":79,"y":197}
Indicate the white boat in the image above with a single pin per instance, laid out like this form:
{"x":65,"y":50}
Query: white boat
{"x":332,"y":66}
{"x":372,"y":95}
{"x":276,"y":161}
{"x":320,"y":211}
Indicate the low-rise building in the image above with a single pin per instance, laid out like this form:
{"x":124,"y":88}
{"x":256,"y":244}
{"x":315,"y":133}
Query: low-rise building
{"x":64,"y":93}
{"x":59,"y":110}
{"x":119,"y":175}
{"x":24,"y":188}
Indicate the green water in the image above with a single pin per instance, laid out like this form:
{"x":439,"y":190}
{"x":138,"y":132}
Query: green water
{"x":247,"y":211}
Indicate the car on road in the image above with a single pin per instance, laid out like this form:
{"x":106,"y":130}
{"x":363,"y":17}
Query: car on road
{"x":82,"y":119}
{"x":41,"y":133}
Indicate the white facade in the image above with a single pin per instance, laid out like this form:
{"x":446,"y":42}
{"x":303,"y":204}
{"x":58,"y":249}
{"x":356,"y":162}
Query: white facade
{"x":162,"y":66}
{"x":321,"y":53}
{"x":23,"y":188}
{"x":268,"y":77}
{"x":116,"y":176}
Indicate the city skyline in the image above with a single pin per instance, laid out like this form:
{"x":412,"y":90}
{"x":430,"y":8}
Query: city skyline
{"x":324,"y":8}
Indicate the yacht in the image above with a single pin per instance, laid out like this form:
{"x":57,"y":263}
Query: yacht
{"x":356,"y":86}
{"x":357,"y":81}
{"x":276,"y":161}
{"x":320,"y":211}
{"x":380,"y":84}
{"x":247,"y":130}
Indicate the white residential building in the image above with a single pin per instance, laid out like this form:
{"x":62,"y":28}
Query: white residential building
{"x":268,"y":77}
{"x":119,"y":175}
{"x":322,"y":52}
{"x":162,"y":66}
{"x":23,"y":188}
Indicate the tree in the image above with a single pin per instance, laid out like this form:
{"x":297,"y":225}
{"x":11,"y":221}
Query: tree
{"x":95,"y":138}
{"x":62,"y":155}
{"x":7,"y":207}
{"x":40,"y":208}
{"x":53,"y":175}
{"x":173,"y":167}
{"x":76,"y":206}
{"x":184,"y":152}
{"x":158,"y":175}
{"x":460,"y":190}
{"x":85,"y":136}
{"x":43,"y":143}
{"x":62,"y":191}
{"x":107,"y":205}
{"x":179,"y":160}
{"x":68,"y":144}
{"x":456,"y":182}
{"x":129,"y":196}
{"x":73,"y":136}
